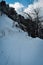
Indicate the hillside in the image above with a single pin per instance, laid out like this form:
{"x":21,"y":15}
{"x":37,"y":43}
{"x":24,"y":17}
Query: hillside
{"x":19,"y":43}
{"x":33,"y":28}
{"x":16,"y":47}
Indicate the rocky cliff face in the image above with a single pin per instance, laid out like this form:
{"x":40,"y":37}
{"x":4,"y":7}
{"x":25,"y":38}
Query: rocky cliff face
{"x":31,"y":27}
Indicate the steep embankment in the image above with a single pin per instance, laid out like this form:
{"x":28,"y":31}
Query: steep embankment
{"x":16,"y":48}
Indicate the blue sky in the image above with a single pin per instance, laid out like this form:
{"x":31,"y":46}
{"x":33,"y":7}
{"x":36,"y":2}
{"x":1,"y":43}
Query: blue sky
{"x":24,"y":2}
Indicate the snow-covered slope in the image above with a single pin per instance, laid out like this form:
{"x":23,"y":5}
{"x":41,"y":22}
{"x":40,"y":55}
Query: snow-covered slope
{"x":16,"y":48}
{"x":6,"y":25}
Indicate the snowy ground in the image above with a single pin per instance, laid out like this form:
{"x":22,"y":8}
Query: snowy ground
{"x":16,"y":48}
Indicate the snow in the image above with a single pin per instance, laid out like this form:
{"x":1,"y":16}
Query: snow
{"x":17,"y":48}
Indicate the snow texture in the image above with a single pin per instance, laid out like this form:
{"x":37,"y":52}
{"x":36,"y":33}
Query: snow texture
{"x":16,"y":47}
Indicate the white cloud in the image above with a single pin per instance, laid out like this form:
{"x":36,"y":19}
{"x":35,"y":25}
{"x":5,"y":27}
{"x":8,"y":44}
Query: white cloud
{"x":35,"y":5}
{"x":40,"y":0}
{"x":18,"y":6}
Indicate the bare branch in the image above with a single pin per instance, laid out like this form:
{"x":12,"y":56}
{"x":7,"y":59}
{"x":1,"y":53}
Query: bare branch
{"x":28,"y":15}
